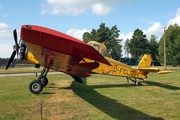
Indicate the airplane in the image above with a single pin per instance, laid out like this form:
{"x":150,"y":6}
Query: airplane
{"x":60,"y":52}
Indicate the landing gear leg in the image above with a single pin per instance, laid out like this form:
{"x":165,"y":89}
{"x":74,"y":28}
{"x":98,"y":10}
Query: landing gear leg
{"x":127,"y":81}
{"x":43,"y":77}
{"x":36,"y":86}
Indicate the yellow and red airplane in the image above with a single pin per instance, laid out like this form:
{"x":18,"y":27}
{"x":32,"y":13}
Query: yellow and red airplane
{"x":58,"y":51}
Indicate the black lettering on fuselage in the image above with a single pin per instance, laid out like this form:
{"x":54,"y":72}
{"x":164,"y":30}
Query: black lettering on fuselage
{"x":128,"y":72}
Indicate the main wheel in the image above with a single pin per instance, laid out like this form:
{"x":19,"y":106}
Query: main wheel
{"x":35,"y":86}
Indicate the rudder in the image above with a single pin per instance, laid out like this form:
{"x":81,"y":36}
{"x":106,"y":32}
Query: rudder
{"x":145,"y":61}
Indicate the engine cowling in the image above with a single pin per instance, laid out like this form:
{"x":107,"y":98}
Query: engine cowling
{"x":25,"y":54}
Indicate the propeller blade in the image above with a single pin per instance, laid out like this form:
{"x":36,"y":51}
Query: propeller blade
{"x":16,"y":41}
{"x":15,"y":36}
{"x":11,"y":59}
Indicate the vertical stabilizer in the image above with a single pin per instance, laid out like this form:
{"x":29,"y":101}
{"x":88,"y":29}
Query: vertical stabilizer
{"x":145,"y":61}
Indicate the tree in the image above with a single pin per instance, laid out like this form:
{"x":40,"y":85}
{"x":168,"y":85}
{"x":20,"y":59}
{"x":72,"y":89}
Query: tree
{"x":153,"y":47}
{"x":90,"y":36}
{"x":126,"y":48}
{"x":138,"y":44}
{"x":172,"y":35}
{"x":108,"y":35}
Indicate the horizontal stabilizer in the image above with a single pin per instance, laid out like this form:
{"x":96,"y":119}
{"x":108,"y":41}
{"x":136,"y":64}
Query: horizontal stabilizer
{"x":164,"y":72}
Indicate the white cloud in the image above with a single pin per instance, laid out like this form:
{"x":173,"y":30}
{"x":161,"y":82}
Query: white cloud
{"x":5,"y":50}
{"x":100,"y":9}
{"x":125,"y":37}
{"x":77,"y":7}
{"x":5,"y":31}
{"x":77,"y":33}
{"x":155,"y":29}
{"x":5,"y":34}
{"x":176,"y":19}
{"x":62,"y":7}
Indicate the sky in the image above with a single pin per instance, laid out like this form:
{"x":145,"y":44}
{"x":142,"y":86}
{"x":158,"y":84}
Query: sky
{"x":74,"y":17}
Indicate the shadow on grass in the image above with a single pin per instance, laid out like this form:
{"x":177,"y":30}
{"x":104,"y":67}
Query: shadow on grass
{"x":104,"y":86}
{"x":109,"y":106}
{"x":163,"y":85}
{"x":111,"y":86}
{"x":48,"y":93}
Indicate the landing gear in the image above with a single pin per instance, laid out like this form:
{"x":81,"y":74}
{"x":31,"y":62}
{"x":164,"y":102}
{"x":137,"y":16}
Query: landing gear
{"x":36,"y":86}
{"x":135,"y":81}
{"x":139,"y":84}
{"x":44,"y":81}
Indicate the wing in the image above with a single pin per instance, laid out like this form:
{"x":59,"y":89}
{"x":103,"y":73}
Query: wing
{"x":160,"y":71}
{"x":59,"y":51}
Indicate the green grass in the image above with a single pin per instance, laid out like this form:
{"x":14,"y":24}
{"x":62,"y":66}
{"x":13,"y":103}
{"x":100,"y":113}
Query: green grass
{"x":102,"y":97}
{"x":19,"y":70}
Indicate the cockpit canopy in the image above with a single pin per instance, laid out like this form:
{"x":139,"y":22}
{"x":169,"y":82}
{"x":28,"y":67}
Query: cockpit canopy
{"x":100,"y":47}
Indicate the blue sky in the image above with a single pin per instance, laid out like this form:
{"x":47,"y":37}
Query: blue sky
{"x":74,"y":17}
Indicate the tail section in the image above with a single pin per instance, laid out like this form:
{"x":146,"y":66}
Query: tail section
{"x":144,"y":67}
{"x":145,"y":61}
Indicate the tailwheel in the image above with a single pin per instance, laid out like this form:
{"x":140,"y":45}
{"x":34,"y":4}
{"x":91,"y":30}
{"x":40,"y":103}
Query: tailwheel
{"x":139,"y":84}
{"x":135,"y":81}
{"x":35,"y":86}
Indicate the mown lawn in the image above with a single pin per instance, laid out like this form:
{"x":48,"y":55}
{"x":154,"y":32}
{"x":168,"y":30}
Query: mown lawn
{"x":101,"y":97}
{"x":19,"y":70}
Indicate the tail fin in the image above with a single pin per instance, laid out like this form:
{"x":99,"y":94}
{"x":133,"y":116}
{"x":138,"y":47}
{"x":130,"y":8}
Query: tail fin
{"x":145,"y":61}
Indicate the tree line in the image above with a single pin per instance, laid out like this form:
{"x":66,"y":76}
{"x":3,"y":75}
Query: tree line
{"x":139,"y":44}
{"x":16,"y":61}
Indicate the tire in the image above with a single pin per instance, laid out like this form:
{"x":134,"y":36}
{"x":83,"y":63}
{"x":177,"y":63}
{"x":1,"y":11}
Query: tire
{"x":35,"y":86}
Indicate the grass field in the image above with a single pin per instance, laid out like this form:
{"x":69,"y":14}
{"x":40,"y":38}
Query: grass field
{"x":101,"y":98}
{"x":19,"y":70}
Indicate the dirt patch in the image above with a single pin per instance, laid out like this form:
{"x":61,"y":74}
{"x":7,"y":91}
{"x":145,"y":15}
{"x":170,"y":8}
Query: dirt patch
{"x":64,"y":103}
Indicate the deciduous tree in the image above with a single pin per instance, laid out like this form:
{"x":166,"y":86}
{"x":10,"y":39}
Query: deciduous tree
{"x":138,"y":44}
{"x":172,"y":37}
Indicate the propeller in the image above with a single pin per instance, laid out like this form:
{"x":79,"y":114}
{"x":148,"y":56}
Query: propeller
{"x":15,"y":36}
{"x":16,"y":49}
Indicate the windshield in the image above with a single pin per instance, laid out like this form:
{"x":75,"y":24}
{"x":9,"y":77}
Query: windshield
{"x":89,"y":43}
{"x":96,"y":47}
{"x":103,"y":53}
